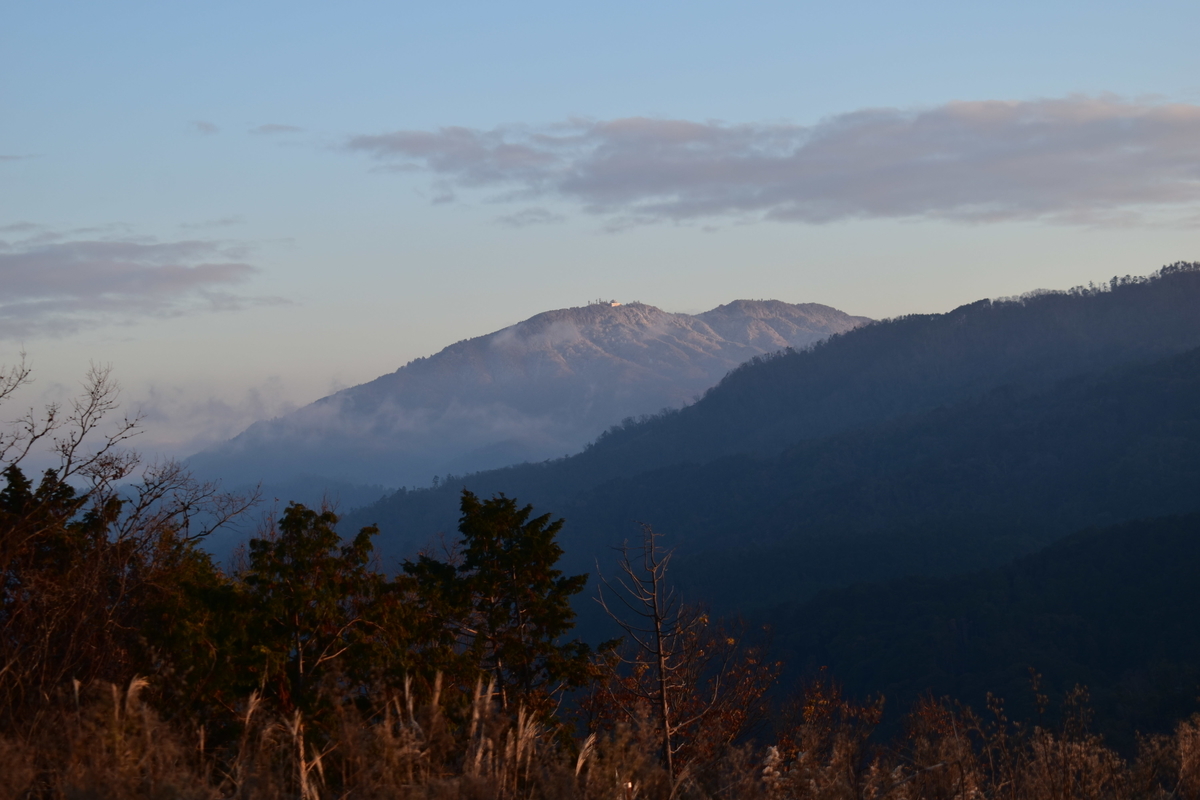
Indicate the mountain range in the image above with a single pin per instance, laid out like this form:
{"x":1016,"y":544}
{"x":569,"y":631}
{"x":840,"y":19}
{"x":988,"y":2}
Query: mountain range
{"x":931,"y":503}
{"x":924,"y":445}
{"x":534,"y":390}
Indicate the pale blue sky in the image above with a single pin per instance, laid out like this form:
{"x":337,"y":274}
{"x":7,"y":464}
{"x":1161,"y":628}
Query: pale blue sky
{"x":242,"y":206}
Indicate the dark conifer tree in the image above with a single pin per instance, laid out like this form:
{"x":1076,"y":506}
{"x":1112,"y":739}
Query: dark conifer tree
{"x":513,"y":603}
{"x":312,"y":600}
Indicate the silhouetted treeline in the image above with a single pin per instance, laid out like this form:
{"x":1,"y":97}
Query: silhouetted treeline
{"x":305,"y":673}
{"x":135,"y":668}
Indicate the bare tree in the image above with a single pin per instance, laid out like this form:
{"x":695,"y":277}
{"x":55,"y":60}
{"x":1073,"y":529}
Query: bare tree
{"x":677,"y":664}
{"x":71,"y":434}
{"x":86,"y":548}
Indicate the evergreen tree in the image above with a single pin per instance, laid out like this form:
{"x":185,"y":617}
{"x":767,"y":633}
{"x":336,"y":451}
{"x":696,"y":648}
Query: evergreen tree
{"x":510,"y":603}
{"x":311,"y":601}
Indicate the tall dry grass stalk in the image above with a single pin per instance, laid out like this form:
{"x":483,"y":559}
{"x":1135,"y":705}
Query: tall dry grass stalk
{"x":106,"y":742}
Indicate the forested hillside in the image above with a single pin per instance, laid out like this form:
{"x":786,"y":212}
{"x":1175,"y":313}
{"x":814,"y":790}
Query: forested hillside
{"x":1114,"y":609}
{"x":924,"y":445}
{"x":934,"y":494}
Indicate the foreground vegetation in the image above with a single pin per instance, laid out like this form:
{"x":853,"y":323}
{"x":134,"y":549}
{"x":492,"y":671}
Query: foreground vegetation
{"x":112,"y":742}
{"x":132,"y":666}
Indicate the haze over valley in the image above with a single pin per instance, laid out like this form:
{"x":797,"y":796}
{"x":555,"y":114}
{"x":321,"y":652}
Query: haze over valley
{"x":539,"y":389}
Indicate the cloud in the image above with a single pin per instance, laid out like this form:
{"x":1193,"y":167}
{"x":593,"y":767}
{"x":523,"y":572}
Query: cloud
{"x":207,"y":128}
{"x":530,"y":216}
{"x":16,"y":158}
{"x":179,"y":421}
{"x":59,"y":285}
{"x":1075,"y":160}
{"x":272,"y":128}
{"x":223,"y":222}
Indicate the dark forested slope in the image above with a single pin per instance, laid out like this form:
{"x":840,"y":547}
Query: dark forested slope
{"x":920,"y":362}
{"x":936,"y":493}
{"x":1113,"y":608}
{"x":927,"y":444}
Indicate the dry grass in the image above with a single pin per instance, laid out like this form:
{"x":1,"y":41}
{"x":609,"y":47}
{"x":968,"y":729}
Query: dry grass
{"x":109,"y":743}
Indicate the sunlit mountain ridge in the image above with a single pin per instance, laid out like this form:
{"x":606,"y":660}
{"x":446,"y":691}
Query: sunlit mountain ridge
{"x":926,"y":444}
{"x":534,"y":390}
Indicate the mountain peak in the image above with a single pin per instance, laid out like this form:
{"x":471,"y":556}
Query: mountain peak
{"x":536,"y":389}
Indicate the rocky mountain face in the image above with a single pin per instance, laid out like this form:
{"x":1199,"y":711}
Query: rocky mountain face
{"x":535,"y":390}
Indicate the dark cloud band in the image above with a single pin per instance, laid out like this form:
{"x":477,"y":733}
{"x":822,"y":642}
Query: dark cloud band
{"x":1076,"y":160}
{"x":57,"y":285}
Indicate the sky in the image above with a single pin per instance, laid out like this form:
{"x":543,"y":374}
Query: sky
{"x":242,"y":207}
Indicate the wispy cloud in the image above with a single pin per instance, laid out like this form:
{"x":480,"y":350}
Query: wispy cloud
{"x":273,"y":128}
{"x":179,"y":420}
{"x":222,"y":222}
{"x":207,"y":128}
{"x":57,"y":284}
{"x":16,"y":158}
{"x":1076,"y":160}
{"x":530,"y":216}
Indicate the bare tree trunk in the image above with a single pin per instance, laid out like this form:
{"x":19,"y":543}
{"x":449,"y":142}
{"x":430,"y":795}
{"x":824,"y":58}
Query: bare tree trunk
{"x":663,"y":700}
{"x":644,"y":592}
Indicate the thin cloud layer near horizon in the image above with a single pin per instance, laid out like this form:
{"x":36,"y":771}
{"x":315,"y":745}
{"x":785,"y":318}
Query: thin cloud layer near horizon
{"x":243,"y":208}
